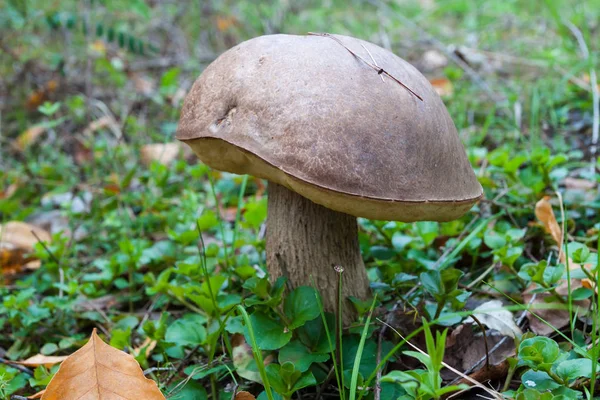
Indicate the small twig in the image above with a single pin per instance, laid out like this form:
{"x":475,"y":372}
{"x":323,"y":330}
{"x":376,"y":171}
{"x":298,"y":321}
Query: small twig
{"x":157,"y":369}
{"x":181,"y":365}
{"x":21,"y":368}
{"x":234,"y":391}
{"x":485,"y":343}
{"x":375,"y":67}
{"x":17,"y":397}
{"x":372,"y":59}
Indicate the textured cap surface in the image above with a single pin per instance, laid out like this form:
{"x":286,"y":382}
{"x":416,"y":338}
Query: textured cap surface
{"x":304,"y":112}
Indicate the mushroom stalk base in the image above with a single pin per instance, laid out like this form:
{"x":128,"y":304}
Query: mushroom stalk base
{"x":305,"y":239}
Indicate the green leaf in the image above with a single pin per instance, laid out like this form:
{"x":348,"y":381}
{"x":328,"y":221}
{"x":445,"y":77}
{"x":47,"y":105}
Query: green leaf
{"x":538,"y":380}
{"x":493,"y":240}
{"x":314,"y":335}
{"x":572,"y":369}
{"x":296,"y":353}
{"x":49,"y":348}
{"x":432,"y":282}
{"x":539,"y":353}
{"x":271,"y":335}
{"x":187,"y":331}
{"x":301,"y":306}
{"x":191,"y":390}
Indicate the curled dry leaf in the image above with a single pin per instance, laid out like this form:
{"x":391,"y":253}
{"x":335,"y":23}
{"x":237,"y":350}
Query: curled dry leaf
{"x":40,"y":359}
{"x":164,"y":153}
{"x":544,"y":212}
{"x":492,"y":315}
{"x":99,"y":371}
{"x":558,"y":318}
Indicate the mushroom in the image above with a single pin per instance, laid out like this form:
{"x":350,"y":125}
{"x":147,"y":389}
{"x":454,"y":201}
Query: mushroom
{"x":341,"y":128}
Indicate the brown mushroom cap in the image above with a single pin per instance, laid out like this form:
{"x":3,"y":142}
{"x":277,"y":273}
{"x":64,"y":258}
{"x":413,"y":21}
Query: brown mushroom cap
{"x":303,"y":112}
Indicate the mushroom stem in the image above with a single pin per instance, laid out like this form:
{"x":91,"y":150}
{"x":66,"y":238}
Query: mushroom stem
{"x":305,"y":239}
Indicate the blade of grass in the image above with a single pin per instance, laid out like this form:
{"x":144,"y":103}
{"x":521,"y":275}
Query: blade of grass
{"x":330,"y":342}
{"x":238,"y":212}
{"x":257,"y":353}
{"x":359,"y":351}
{"x":220,"y":218}
{"x":338,"y":326}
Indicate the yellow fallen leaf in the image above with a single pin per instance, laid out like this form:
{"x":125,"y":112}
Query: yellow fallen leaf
{"x":40,"y":359}
{"x":164,"y":153}
{"x":98,"y":371}
{"x":544,"y":212}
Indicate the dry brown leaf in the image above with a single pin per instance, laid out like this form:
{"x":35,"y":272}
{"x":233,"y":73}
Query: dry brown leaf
{"x":30,"y":136}
{"x":40,"y":359}
{"x":164,"y":153}
{"x":442,"y":86}
{"x":544,"y":212}
{"x":16,"y":242}
{"x":99,"y":371}
{"x":243,"y":395}
{"x":17,"y":234}
{"x":557,"y":318}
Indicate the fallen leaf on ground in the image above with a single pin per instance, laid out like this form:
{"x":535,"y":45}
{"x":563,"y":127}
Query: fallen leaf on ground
{"x":557,"y":318}
{"x":30,"y":136}
{"x":16,"y":242}
{"x":164,"y":153}
{"x":465,"y":348}
{"x":40,"y":359}
{"x":494,"y":317}
{"x":99,"y":371}
{"x":442,"y":86}
{"x":243,"y":395}
{"x":20,"y":235}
